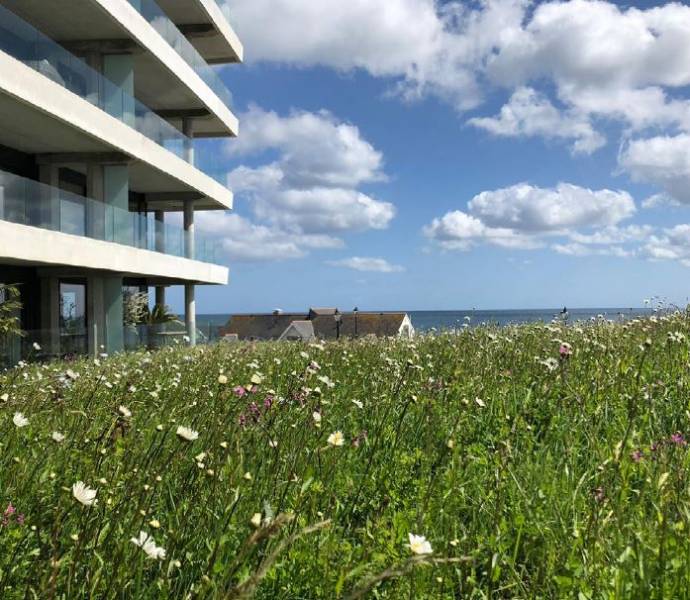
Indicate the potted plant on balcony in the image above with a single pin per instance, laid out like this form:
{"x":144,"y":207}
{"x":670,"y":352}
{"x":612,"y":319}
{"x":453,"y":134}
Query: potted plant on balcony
{"x":10,"y":329}
{"x":145,"y":326}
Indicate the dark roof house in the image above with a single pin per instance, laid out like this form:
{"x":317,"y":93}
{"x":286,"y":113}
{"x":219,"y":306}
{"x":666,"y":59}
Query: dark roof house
{"x":319,"y":323}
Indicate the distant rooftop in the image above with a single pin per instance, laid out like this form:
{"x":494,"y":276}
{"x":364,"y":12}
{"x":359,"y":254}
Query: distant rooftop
{"x":326,"y":323}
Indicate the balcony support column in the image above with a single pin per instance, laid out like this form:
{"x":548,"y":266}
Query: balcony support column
{"x":189,"y":241}
{"x":50,"y":315}
{"x":116,"y":195}
{"x":188,"y":131}
{"x":190,"y":312}
{"x":160,"y":296}
{"x":95,"y":211}
{"x":49,"y":208}
{"x":113,"y":307}
{"x":159,"y":224}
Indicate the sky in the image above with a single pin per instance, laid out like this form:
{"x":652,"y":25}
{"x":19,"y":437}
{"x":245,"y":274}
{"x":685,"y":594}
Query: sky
{"x":427,"y":155}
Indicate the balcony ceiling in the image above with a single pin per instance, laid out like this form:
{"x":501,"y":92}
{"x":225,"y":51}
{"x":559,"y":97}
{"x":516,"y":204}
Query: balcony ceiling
{"x":154,"y":83}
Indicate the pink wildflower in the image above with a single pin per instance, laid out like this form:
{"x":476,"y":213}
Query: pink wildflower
{"x":678,"y":439}
{"x":565,"y":350}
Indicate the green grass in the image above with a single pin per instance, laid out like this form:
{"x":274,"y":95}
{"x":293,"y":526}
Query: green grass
{"x":521,"y":471}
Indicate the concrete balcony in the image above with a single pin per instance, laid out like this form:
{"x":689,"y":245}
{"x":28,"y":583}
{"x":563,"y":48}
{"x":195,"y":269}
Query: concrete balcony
{"x":72,"y":113}
{"x":207,"y":25}
{"x":171,"y":76}
{"x":41,"y":225}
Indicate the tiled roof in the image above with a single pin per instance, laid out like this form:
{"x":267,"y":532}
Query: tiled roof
{"x":261,"y":327}
{"x":272,"y":326}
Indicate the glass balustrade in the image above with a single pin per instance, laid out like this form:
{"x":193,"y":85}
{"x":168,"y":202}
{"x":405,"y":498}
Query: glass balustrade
{"x":158,"y":19}
{"x":28,"y":45}
{"x":29,"y":202}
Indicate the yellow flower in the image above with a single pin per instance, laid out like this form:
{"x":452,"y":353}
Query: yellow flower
{"x":256,"y":520}
{"x":336,"y":439}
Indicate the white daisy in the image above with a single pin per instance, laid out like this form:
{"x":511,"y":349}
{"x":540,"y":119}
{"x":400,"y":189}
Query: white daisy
{"x":57,"y":437}
{"x":84,"y":494}
{"x":148,"y":545}
{"x":20,"y":420}
{"x":187,"y":434}
{"x":419,"y":544}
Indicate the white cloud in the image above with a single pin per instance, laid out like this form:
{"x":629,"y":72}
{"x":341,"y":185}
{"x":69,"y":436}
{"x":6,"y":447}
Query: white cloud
{"x":541,"y":210}
{"x":316,"y":149}
{"x":660,"y":201}
{"x":359,"y":263}
{"x":427,"y":47}
{"x":614,"y":235}
{"x":312,"y":186}
{"x":673,"y":244}
{"x":603,"y":58}
{"x":588,"y":44}
{"x":523,"y":216}
{"x":457,"y":230}
{"x":580,"y":250}
{"x":662,"y":160}
{"x":312,"y":210}
{"x":529,"y":113}
{"x":305,"y":197}
{"x":244,"y":241}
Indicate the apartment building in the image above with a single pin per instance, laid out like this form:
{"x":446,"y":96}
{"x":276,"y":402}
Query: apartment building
{"x":102,"y":107}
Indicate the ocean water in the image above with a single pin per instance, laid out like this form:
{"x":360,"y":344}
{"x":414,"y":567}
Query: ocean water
{"x":448,"y":319}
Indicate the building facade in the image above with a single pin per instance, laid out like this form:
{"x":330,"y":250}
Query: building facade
{"x":102,"y":170}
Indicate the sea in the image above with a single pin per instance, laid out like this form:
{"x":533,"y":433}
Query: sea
{"x":429,"y":320}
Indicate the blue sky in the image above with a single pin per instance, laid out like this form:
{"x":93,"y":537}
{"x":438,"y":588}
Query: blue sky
{"x":421,"y":155}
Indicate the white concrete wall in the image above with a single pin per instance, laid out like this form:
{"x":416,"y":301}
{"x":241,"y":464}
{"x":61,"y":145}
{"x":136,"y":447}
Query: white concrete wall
{"x":34,"y":89}
{"x":52,"y":248}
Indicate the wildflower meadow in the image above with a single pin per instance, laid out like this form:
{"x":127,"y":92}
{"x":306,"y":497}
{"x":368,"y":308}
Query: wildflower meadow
{"x":535,"y":461}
